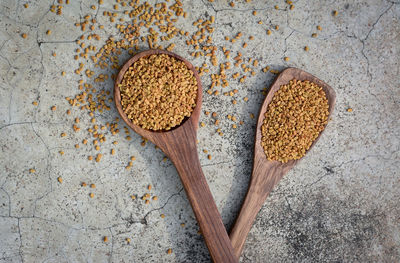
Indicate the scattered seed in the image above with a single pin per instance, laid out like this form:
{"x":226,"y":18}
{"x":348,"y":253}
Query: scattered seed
{"x":59,"y":179}
{"x":349,"y":110}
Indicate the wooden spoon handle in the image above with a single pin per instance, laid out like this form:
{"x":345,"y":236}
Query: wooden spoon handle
{"x":186,"y":160}
{"x":263,"y":180}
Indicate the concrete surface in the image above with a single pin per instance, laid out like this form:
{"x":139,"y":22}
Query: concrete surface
{"x":340,"y":204}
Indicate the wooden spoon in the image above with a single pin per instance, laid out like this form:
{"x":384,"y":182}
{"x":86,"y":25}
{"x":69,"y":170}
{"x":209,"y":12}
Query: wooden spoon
{"x":266,"y":174}
{"x":179,"y":144}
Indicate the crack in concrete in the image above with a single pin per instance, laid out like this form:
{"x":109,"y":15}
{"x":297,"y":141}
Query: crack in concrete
{"x":8,"y":196}
{"x":20,"y":240}
{"x":366,"y":38}
{"x":161,"y":207}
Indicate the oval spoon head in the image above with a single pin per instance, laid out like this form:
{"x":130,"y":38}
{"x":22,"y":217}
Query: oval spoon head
{"x":283,"y":78}
{"x":149,"y":134}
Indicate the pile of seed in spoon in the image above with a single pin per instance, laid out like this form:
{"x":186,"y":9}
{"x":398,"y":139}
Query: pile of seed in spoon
{"x":295,"y":117}
{"x":158,"y":92}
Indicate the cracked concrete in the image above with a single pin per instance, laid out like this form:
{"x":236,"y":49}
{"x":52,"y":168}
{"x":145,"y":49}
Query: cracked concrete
{"x":339,"y":204}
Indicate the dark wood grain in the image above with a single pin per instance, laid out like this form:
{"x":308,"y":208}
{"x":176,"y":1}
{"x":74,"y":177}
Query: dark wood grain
{"x":266,"y":174}
{"x":179,"y":144}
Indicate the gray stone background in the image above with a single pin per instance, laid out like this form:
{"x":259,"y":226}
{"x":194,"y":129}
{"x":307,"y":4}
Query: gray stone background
{"x":339,"y":204}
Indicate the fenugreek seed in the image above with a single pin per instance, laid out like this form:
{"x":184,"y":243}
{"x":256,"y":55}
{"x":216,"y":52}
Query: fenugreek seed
{"x":92,"y":186}
{"x":232,"y":4}
{"x":306,"y":48}
{"x":169,"y":251}
{"x":128,"y":240}
{"x":160,"y":69}
{"x":162,"y":216}
{"x":83,"y":184}
{"x":314,"y":35}
{"x":26,"y":5}
{"x":149,"y":187}
{"x":276,"y":27}
{"x":53,"y":108}
{"x":147,"y":202}
{"x":48,"y":32}
{"x":90,"y":157}
{"x":60,"y":180}
{"x":319,"y":28}
{"x":155,"y":198}
{"x":276,"y":7}
{"x":209,"y":157}
{"x":349,"y":110}
{"x":76,"y":146}
{"x":24,"y":35}
{"x":32,"y":170}
{"x":61,"y":152}
{"x":269,"y":32}
{"x":287,"y":132}
{"x":335,"y":13}
{"x":112,"y":151}
{"x":91,"y":195}
{"x":35,"y":103}
{"x":286,"y":58}
{"x":105,"y":239}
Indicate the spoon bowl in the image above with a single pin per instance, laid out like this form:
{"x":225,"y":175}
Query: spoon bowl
{"x":266,"y":174}
{"x":179,"y":144}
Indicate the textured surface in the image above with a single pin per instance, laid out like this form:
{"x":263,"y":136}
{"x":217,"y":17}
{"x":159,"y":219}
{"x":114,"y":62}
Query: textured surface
{"x":340,"y":203}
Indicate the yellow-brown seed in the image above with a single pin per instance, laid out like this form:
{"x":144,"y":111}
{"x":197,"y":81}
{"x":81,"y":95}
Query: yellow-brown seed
{"x":105,"y":239}
{"x":158,"y":92}
{"x":296,"y":115}
{"x":169,"y":251}
{"x":91,"y":195}
{"x":59,"y":179}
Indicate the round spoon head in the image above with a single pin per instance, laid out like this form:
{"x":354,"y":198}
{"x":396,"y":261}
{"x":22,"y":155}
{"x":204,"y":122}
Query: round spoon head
{"x":150,"y":134}
{"x":283,"y":78}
